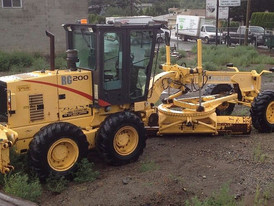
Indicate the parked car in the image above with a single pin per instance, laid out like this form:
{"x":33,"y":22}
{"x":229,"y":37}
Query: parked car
{"x":161,"y":35}
{"x":256,"y":36}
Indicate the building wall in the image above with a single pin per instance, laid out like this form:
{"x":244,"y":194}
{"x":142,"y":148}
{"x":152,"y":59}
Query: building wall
{"x":23,"y":29}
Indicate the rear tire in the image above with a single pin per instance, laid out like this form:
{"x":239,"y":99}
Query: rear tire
{"x":226,"y":108}
{"x":121,"y":138}
{"x":56,"y":149}
{"x":262,"y":111}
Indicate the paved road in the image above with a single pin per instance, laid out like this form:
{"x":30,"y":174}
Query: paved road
{"x":6,"y":200}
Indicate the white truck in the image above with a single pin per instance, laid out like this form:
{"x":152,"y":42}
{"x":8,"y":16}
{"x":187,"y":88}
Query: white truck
{"x":195,"y":27}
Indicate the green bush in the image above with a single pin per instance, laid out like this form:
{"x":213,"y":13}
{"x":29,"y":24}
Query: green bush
{"x":263,"y":19}
{"x":85,"y":172}
{"x":210,"y":66}
{"x":96,"y":19}
{"x":19,"y":161}
{"x":21,"y":59}
{"x":60,"y":62}
{"x":4,"y":61}
{"x":39,"y":64}
{"x":21,"y":186}
{"x":56,"y":184}
{"x":15,"y":60}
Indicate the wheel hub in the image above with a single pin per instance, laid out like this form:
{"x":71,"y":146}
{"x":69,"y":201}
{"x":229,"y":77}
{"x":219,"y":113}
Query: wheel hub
{"x":63,"y":154}
{"x":60,"y":152}
{"x":125,"y":140}
{"x":270,"y":113}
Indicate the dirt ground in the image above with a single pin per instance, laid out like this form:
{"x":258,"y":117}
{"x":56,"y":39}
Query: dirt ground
{"x":180,"y":167}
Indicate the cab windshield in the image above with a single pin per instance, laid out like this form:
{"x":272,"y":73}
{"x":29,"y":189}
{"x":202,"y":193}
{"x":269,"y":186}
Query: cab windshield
{"x":84,"y":43}
{"x":210,"y":28}
{"x":257,"y":29}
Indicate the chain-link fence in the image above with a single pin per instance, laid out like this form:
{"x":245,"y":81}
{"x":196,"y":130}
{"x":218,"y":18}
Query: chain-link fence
{"x":257,"y":36}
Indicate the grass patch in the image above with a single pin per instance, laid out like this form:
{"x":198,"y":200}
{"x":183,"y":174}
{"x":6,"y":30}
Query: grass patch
{"x":240,"y":56}
{"x":222,"y":197}
{"x":56,"y":184}
{"x":258,"y":155}
{"x":148,"y":166}
{"x":263,"y":196}
{"x":21,"y":186}
{"x":19,"y":161}
{"x":86,"y":172}
{"x":21,"y":182}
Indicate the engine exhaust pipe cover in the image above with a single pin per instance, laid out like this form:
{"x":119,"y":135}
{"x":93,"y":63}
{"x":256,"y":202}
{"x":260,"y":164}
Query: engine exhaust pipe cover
{"x":52,"y":50}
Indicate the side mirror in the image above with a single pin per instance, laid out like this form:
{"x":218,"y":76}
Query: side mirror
{"x":167,"y":38}
{"x":271,"y":69}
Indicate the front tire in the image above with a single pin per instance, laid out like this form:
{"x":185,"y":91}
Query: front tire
{"x":262,"y":111}
{"x":206,"y":40}
{"x":226,"y":108}
{"x":121,"y":138}
{"x":160,"y":40}
{"x":56,"y":149}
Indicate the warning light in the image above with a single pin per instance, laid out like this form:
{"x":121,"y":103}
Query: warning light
{"x":84,"y":21}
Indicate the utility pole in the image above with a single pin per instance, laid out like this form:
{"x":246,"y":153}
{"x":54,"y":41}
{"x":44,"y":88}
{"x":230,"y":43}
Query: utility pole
{"x":247,"y":21}
{"x":217,"y":22}
{"x":228,"y":27}
{"x":131,"y":9}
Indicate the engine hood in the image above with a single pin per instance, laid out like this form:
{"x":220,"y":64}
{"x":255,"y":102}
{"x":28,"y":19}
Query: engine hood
{"x":27,"y":76}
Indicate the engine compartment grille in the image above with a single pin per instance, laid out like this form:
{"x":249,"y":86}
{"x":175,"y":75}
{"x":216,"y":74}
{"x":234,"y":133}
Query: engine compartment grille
{"x":36,"y":104}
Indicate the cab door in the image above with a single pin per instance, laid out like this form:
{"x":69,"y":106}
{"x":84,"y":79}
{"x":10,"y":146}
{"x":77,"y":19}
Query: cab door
{"x":113,"y":65}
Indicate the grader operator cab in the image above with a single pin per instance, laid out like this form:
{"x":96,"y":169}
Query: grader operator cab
{"x":106,"y":99}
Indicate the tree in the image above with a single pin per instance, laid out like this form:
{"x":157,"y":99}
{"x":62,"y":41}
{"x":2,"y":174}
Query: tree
{"x":239,"y":13}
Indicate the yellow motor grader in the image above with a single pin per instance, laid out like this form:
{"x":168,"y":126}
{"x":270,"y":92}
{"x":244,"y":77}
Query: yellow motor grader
{"x":106,"y":99}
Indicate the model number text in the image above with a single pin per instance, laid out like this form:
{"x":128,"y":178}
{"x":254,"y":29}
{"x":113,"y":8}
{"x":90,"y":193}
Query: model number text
{"x":69,"y":79}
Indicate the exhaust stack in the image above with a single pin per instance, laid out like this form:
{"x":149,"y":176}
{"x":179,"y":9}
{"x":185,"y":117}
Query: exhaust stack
{"x":52,"y":50}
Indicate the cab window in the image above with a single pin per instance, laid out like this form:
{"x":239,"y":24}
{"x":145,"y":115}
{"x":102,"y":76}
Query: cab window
{"x":112,"y":61}
{"x":140,"y":52}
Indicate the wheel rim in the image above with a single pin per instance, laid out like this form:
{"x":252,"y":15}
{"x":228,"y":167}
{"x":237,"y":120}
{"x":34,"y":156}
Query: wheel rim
{"x":126,"y":140}
{"x":63,"y":154}
{"x":270,"y":113}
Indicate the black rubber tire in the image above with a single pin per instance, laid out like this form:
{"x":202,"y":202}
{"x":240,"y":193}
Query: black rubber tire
{"x":107,"y":132}
{"x":228,"y":41}
{"x":258,"y":111}
{"x":206,"y":40}
{"x":160,"y":40}
{"x":45,"y":138}
{"x":218,"y":89}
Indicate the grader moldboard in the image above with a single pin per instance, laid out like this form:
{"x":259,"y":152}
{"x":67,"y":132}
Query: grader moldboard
{"x":106,"y":100}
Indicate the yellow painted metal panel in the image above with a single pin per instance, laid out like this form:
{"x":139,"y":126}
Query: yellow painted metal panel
{"x":75,"y":94}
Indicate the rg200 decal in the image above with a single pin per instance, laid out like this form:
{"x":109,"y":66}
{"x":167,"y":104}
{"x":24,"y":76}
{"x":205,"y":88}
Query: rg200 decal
{"x":69,"y":79}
